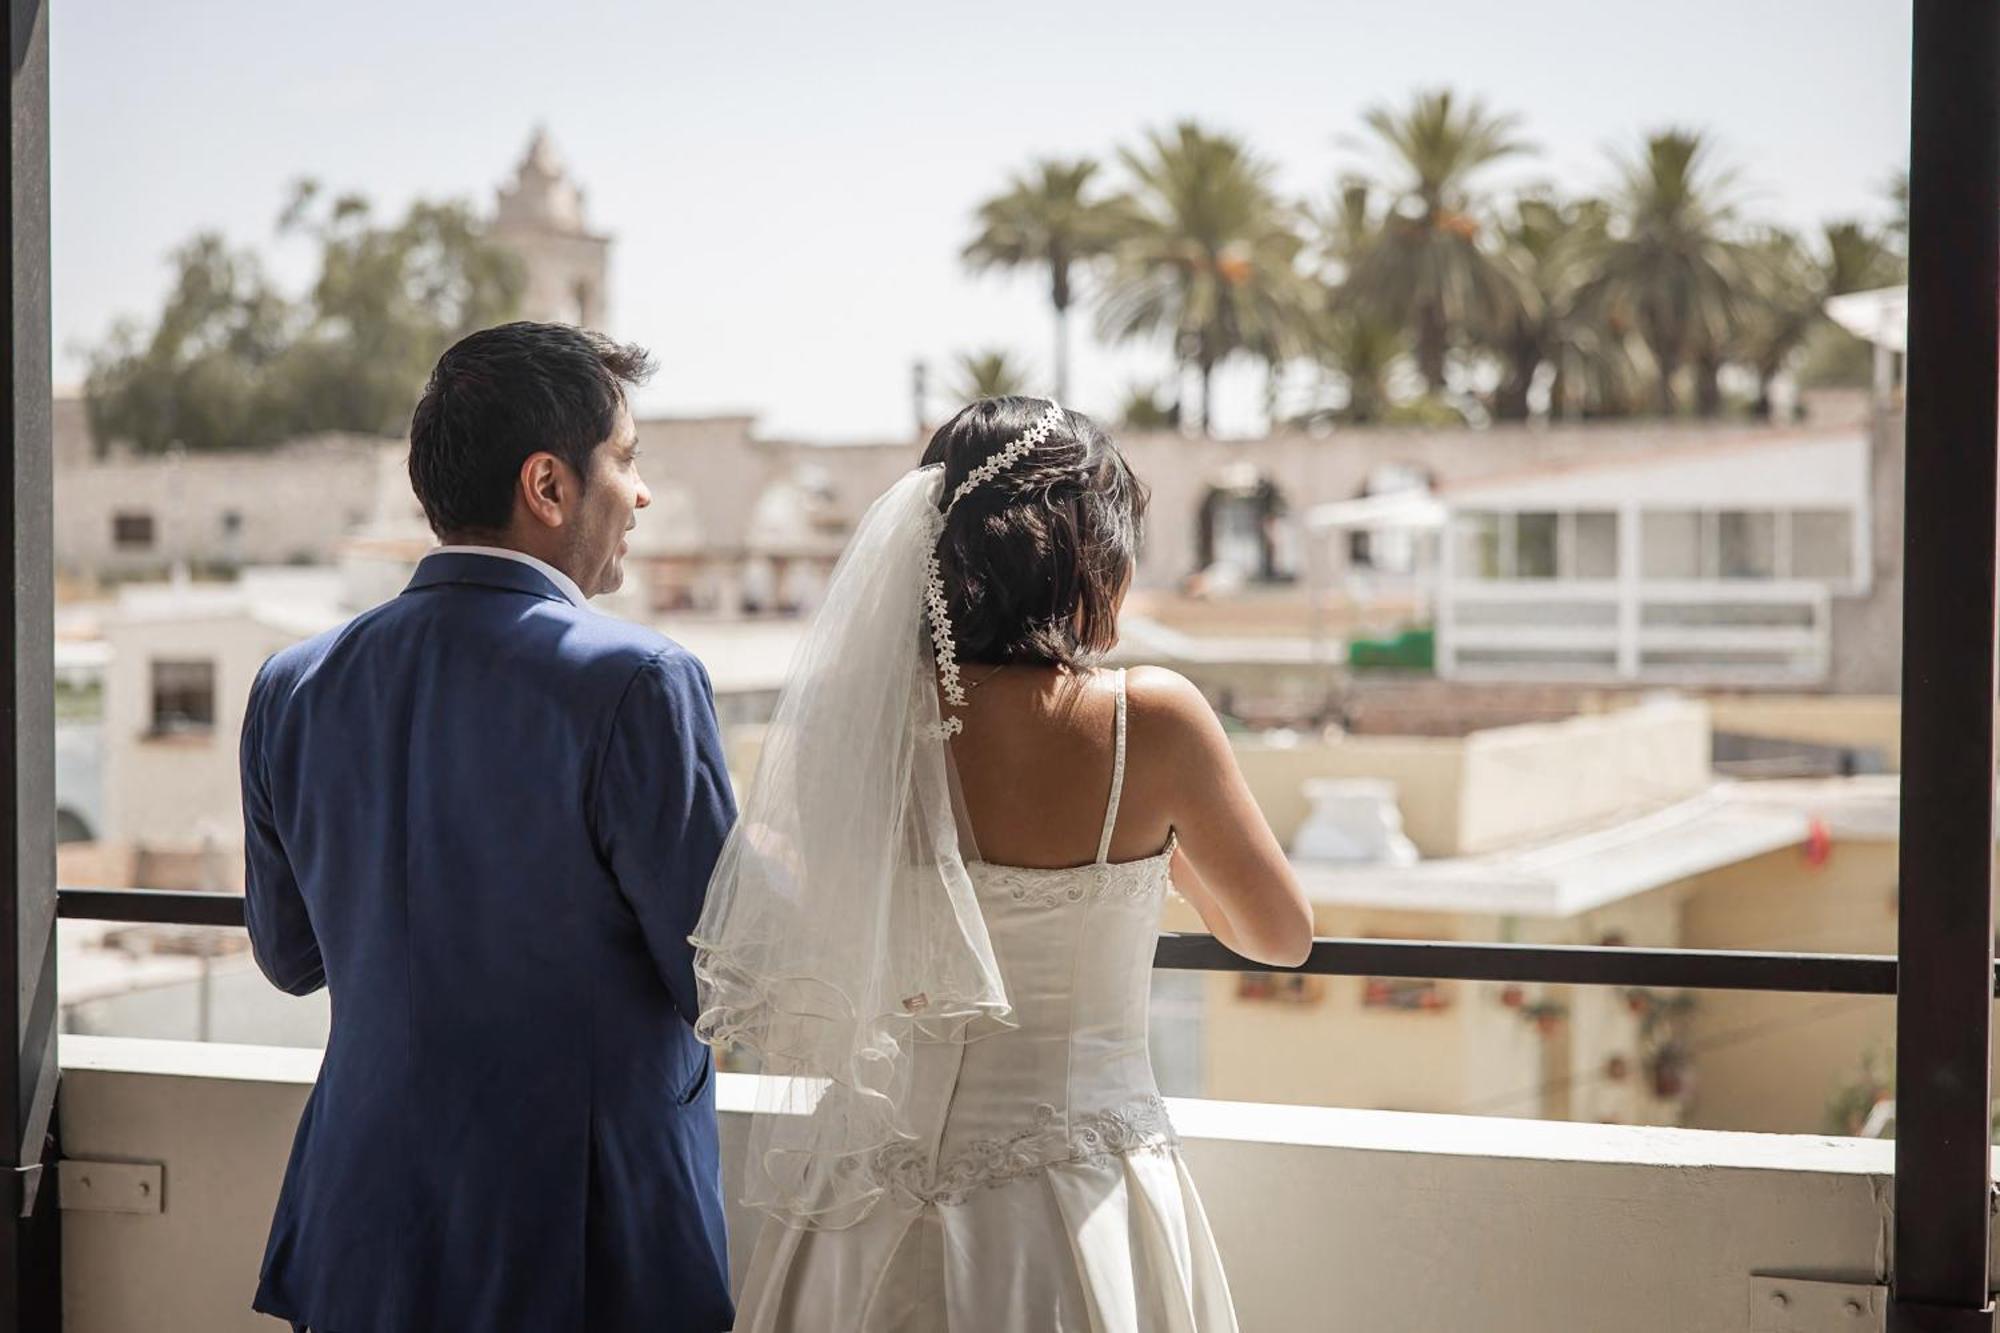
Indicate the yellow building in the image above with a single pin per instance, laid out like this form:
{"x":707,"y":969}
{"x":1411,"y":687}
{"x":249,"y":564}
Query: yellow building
{"x":1606,"y":828}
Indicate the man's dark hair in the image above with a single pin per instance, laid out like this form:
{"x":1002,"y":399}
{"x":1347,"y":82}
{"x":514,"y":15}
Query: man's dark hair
{"x":1035,"y":560}
{"x":504,"y":393}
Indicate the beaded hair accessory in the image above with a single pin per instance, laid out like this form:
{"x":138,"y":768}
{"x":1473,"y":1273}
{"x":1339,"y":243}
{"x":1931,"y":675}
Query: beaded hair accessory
{"x":942,"y":645}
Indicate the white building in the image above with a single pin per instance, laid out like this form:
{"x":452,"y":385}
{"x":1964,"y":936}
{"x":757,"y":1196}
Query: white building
{"x":125,"y":515}
{"x":1715,"y":565}
{"x":181,"y":660}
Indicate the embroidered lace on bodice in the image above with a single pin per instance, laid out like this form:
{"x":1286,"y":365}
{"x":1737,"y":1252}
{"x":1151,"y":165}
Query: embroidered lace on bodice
{"x":1052,"y":888}
{"x":1141,"y":1124}
{"x":1073,"y":1081}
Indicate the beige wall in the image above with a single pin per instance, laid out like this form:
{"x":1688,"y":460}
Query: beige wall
{"x":1427,"y":771}
{"x":1475,"y":1056}
{"x":1873,"y":721}
{"x":1770,"y":1061}
{"x":94,"y":865}
{"x":170,"y":791}
{"x":1501,"y":787}
{"x":1534,"y":781}
{"x":1762,"y":1062}
{"x":295,"y":505}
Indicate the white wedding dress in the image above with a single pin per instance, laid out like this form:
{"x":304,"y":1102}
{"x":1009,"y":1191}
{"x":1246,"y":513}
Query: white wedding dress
{"x":1048,"y":1194}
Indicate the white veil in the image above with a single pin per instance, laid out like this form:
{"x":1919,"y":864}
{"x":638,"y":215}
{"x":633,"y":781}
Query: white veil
{"x":840,"y":923}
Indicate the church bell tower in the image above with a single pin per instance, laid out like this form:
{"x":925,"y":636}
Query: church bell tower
{"x":539,"y":217}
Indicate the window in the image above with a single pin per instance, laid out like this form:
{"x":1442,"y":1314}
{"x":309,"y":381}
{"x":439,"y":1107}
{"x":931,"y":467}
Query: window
{"x":1670,"y":544}
{"x":1729,"y":544}
{"x":1747,"y":545}
{"x":1535,"y":546}
{"x":1239,"y":534}
{"x":1823,"y":544}
{"x":1596,"y":550}
{"x":183,"y":697}
{"x":1479,"y":546}
{"x":1542,"y":544}
{"x":132,"y":530}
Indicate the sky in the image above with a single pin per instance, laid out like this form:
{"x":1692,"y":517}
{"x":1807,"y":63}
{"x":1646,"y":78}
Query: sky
{"x":790,"y":184}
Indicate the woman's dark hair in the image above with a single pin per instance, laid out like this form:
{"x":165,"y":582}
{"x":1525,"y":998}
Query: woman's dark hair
{"x":1035,"y":560}
{"x":502,"y":394}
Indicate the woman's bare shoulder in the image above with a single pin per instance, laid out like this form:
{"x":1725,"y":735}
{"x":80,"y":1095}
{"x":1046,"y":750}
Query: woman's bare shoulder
{"x":1169,"y":707}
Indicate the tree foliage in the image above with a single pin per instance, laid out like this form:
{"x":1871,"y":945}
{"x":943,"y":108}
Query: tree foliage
{"x":232,"y":363}
{"x":1210,"y":258}
{"x":1420,"y":290}
{"x":1053,"y":218}
{"x":1426,"y":264}
{"x":989,"y":374}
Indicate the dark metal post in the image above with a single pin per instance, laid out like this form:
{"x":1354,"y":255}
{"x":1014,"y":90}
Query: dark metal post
{"x":1944,"y":1008}
{"x":30,"y":1280}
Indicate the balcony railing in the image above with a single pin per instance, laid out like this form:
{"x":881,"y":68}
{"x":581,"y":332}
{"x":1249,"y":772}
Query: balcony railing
{"x":1563,"y":964}
{"x":1738,"y":631}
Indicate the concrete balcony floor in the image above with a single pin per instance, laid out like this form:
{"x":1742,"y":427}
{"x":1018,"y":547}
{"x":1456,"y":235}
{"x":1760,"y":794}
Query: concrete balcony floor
{"x":1328,"y":1219}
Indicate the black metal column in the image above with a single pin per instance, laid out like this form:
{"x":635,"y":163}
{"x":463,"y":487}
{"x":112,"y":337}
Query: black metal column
{"x":30,"y":1279}
{"x":1944,"y":1008}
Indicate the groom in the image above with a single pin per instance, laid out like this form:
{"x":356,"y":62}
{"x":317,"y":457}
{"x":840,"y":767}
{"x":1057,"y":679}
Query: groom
{"x":484,"y":817}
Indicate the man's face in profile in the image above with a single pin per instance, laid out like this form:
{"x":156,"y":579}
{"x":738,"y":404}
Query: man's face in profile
{"x":612,"y":497}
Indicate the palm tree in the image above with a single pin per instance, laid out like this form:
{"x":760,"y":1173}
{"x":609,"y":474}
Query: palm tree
{"x":989,"y":374}
{"x":1147,"y":408}
{"x":1780,"y":307}
{"x":1788,"y":294}
{"x":1668,"y":264}
{"x":1429,"y":267}
{"x":1544,"y":250}
{"x":1857,"y":258}
{"x":1209,"y":257}
{"x":1354,"y":338}
{"x":1606,"y":373}
{"x":1047,"y":218}
{"x":1362,"y":348}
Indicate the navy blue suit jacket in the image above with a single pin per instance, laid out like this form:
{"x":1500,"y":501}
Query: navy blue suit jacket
{"x":484,"y":818}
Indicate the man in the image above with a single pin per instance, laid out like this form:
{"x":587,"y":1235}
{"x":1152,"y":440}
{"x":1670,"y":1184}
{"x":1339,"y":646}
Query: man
{"x":484,"y":817}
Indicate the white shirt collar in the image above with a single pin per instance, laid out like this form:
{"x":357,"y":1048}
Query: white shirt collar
{"x":564,"y":583}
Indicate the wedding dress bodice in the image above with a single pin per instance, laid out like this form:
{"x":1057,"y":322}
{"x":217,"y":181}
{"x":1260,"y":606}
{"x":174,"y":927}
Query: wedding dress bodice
{"x":1073,"y":1079}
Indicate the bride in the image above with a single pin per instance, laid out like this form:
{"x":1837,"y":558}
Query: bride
{"x":962,"y":1131}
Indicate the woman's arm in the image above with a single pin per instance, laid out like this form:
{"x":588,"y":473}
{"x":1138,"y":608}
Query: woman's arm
{"x":1229,"y":865}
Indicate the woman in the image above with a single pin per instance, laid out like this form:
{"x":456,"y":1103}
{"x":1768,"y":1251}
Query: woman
{"x":968,"y":1135}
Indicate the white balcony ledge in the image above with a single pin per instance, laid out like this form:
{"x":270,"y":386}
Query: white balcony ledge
{"x":1328,"y":1219}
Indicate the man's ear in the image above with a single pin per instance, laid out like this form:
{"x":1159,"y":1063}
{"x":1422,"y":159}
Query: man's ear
{"x":545,"y":487}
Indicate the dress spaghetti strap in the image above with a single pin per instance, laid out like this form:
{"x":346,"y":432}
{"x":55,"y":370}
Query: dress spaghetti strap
{"x":1117,"y":777}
